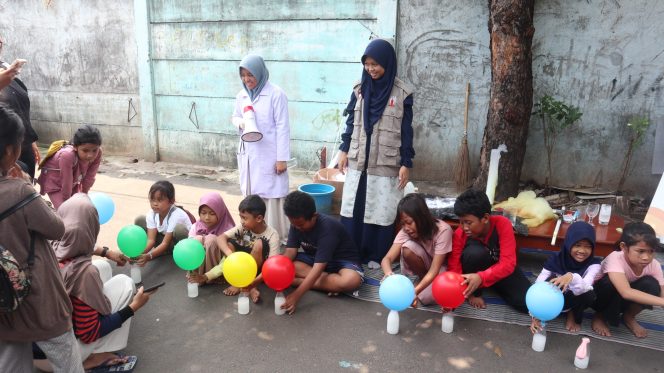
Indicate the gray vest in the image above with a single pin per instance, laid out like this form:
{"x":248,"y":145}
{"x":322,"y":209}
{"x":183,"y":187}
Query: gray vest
{"x":384,"y":154}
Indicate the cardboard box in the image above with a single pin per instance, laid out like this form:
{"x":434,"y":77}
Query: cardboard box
{"x":334,"y":177}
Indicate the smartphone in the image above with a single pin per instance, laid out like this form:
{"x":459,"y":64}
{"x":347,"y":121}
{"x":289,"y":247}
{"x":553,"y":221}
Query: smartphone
{"x":154,"y":287}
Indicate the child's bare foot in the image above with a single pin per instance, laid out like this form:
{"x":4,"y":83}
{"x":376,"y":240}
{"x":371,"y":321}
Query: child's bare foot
{"x":476,"y":302}
{"x":255,"y":295}
{"x":231,"y":290}
{"x":635,"y":327}
{"x":571,"y":324}
{"x":599,"y":325}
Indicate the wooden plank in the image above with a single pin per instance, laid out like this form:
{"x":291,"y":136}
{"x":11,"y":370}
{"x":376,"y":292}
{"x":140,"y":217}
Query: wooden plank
{"x":232,"y":10}
{"x":308,"y":120}
{"x":309,"y":40}
{"x":302,"y":81}
{"x":93,"y":108}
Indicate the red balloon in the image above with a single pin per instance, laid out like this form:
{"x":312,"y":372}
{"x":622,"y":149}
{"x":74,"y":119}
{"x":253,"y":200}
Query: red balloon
{"x":447,"y":289}
{"x":278,"y":272}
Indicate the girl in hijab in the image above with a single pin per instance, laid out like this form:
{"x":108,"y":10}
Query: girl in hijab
{"x":214,"y":221}
{"x":44,"y":315}
{"x":102,"y":304}
{"x":262,"y":163}
{"x":573,"y":270}
{"x":376,"y":152}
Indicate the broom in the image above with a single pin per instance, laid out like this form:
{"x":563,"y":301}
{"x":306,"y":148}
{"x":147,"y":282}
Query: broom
{"x":462,"y":166}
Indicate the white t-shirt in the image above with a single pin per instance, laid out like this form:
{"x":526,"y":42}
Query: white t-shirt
{"x":174,"y":217}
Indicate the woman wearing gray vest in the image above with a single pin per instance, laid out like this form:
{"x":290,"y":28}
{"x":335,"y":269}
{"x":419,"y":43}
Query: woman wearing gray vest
{"x":376,"y":152}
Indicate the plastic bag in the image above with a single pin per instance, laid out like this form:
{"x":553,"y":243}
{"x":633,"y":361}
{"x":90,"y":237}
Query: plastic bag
{"x":533,"y":211}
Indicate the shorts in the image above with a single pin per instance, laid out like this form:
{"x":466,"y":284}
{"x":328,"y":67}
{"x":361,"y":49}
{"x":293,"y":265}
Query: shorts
{"x":333,"y":266}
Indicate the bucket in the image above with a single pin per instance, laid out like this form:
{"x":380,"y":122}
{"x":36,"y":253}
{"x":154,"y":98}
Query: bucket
{"x":322,"y":195}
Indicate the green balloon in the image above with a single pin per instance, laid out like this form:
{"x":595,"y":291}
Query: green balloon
{"x":189,"y":254}
{"x":132,"y":240}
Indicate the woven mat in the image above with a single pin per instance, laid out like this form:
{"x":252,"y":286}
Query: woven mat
{"x":531,"y":262}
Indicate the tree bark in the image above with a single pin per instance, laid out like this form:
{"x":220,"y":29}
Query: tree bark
{"x":511,"y":31}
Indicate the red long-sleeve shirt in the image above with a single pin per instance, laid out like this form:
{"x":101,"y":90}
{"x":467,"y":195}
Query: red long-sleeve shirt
{"x":506,"y":247}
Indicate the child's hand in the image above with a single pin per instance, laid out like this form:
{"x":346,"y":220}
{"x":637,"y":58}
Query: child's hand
{"x":196,"y":278}
{"x":473,"y":280}
{"x":563,"y":281}
{"x":142,"y":260}
{"x":415,"y":303}
{"x":290,"y":303}
{"x":535,"y":325}
{"x":280,"y":167}
{"x":119,"y":258}
{"x":388,"y":274}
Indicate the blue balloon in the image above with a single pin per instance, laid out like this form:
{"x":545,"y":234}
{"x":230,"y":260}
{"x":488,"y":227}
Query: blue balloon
{"x":544,"y":300}
{"x":397,"y":292}
{"x":104,"y":205}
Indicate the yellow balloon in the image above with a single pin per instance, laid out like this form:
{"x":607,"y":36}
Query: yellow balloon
{"x":240,"y":269}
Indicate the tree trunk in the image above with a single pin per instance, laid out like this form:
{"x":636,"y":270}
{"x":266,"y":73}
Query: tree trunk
{"x":511,"y":100}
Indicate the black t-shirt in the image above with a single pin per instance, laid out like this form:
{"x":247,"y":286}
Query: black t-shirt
{"x":327,"y":241}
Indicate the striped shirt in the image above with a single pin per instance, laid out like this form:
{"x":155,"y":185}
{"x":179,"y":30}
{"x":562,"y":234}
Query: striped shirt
{"x":90,"y":325}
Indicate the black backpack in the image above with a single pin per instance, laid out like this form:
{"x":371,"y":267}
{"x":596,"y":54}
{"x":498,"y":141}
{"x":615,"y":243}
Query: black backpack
{"x":15,"y":280}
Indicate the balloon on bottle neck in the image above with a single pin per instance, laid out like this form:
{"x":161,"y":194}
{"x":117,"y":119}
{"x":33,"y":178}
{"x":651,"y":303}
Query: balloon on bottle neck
{"x":250,"y":133}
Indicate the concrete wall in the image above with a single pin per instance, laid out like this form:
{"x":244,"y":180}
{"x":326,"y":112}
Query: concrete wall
{"x":81,"y":67}
{"x":311,"y":48}
{"x":602,"y":56}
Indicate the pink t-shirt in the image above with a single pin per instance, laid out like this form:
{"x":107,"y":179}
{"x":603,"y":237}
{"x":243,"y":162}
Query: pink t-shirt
{"x":616,"y":262}
{"x":440,"y":244}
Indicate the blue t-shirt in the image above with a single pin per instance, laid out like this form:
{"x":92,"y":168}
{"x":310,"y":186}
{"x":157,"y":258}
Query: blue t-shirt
{"x":327,"y":241}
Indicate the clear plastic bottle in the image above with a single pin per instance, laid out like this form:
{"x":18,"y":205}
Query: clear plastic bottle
{"x":279,"y":300}
{"x":192,"y":289}
{"x":448,"y":322}
{"x":393,"y":322}
{"x":539,"y":340}
{"x":243,"y":303}
{"x":582,"y":356}
{"x":135,"y":272}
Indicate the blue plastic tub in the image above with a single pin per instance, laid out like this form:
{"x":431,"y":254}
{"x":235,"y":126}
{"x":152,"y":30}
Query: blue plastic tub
{"x":322,"y":194}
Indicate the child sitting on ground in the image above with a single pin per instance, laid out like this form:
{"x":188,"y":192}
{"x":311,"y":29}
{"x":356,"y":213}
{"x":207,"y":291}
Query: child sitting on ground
{"x":484,"y":251}
{"x":252,"y":236}
{"x":573,"y":269}
{"x":329,"y":260}
{"x":73,"y":168}
{"x":166,"y":224}
{"x":214,"y":221}
{"x":631,"y":280}
{"x":422,"y":245}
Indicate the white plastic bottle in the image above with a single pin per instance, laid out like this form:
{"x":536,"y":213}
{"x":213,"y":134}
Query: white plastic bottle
{"x":393,"y":322}
{"x":279,"y":300}
{"x":192,"y":289}
{"x":135,"y":272}
{"x":448,"y":322}
{"x":243,"y":303}
{"x":582,"y":357}
{"x":539,"y":340}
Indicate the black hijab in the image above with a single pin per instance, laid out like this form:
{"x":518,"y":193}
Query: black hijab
{"x":562,"y":261}
{"x":376,"y":93}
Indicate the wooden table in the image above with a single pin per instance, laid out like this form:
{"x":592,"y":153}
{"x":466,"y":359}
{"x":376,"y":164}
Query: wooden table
{"x":540,"y":236}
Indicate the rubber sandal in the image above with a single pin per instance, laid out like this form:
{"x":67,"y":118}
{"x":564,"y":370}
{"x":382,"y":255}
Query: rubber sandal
{"x":122,"y":367}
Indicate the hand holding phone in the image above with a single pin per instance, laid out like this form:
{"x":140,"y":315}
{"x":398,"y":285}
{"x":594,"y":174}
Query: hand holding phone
{"x":18,"y":63}
{"x":154,"y":287}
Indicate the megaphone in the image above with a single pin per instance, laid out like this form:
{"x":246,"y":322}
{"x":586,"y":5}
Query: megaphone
{"x":251,"y":133}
